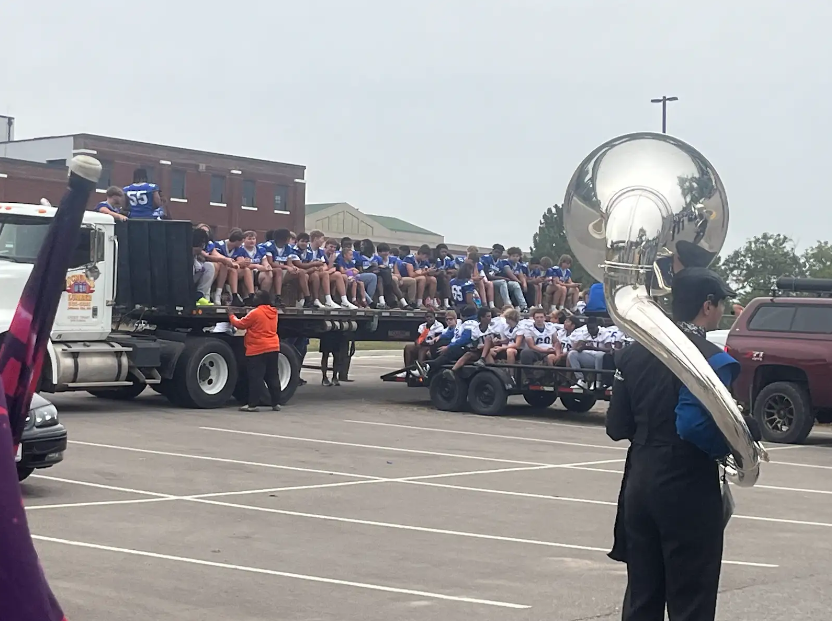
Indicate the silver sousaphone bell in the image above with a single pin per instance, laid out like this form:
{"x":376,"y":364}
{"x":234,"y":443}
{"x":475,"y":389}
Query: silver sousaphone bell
{"x":639,"y":208}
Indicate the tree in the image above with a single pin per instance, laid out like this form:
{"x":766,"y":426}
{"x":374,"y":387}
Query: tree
{"x":753,"y":269}
{"x":550,"y":241}
{"x":818,"y":260}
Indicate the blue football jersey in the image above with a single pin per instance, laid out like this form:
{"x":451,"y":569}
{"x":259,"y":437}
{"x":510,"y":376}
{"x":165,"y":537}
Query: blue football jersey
{"x":385,"y":264}
{"x":140,"y":196}
{"x":417,"y":264}
{"x":446,"y":263}
{"x":460,"y":288}
{"x":364,"y":262}
{"x":256,"y":254}
{"x":279,"y":254}
{"x":105,"y":204}
{"x":559,"y":273}
{"x":490,"y":265}
{"x":220,"y":246}
{"x":305,"y":256}
{"x":517,"y":268}
{"x":340,"y":261}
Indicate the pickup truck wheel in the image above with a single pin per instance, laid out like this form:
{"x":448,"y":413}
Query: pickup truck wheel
{"x":205,"y":374}
{"x":288,"y":368}
{"x":23,"y":473}
{"x":784,"y":412}
{"x":122,"y":393}
{"x":487,"y":394}
{"x":578,"y":403}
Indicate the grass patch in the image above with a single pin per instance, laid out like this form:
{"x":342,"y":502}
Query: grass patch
{"x":314,"y":345}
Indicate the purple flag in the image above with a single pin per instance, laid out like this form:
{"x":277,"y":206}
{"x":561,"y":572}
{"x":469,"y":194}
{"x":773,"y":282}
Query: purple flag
{"x":24,"y":592}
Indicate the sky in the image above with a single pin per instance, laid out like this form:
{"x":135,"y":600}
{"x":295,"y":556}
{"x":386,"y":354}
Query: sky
{"x":466,"y":117}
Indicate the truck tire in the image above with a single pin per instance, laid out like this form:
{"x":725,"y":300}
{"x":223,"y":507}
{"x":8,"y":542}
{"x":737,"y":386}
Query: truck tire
{"x":448,"y":394}
{"x":579,"y":403}
{"x":784,"y":412}
{"x":540,"y":398}
{"x":205,"y":374}
{"x":122,"y":393}
{"x":288,"y":367}
{"x":487,"y":394}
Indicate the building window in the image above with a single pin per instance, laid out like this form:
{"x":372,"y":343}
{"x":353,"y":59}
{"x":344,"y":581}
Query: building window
{"x":177,"y":183}
{"x":248,"y":193}
{"x":281,"y":198}
{"x":105,"y":180}
{"x":217,"y":189}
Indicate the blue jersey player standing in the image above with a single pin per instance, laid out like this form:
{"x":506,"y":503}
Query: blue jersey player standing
{"x":144,"y":199}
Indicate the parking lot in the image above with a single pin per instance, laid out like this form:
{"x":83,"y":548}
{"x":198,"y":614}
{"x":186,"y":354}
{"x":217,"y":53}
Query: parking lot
{"x":361,"y":502}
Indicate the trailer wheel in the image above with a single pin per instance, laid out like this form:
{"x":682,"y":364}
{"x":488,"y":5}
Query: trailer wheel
{"x":540,"y":398}
{"x":288,"y":367}
{"x":487,"y":394}
{"x":205,"y":374}
{"x":448,"y":394}
{"x":579,"y":403}
{"x":122,"y":393}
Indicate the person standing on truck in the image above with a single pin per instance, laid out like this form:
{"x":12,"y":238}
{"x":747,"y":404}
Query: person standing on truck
{"x":262,"y":350}
{"x":670,"y":522}
{"x":144,"y":199}
{"x":112,"y":206}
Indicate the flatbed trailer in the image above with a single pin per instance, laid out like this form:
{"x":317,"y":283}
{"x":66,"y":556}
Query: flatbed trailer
{"x":485,"y":388}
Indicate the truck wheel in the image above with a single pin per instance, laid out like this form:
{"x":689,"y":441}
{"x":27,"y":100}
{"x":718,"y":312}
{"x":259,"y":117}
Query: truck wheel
{"x":205,"y":374}
{"x":784,"y":412}
{"x":288,"y":367}
{"x":540,"y":398}
{"x":122,"y":393}
{"x":578,"y":403}
{"x":448,"y":394}
{"x":487,"y":394}
{"x":23,"y":473}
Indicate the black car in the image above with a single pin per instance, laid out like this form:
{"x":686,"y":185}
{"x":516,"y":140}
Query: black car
{"x":44,"y":438}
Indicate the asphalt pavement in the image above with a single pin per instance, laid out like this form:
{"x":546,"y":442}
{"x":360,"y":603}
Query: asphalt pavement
{"x":362,"y":503}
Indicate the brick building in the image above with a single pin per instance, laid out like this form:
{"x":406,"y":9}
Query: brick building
{"x":224,"y":191}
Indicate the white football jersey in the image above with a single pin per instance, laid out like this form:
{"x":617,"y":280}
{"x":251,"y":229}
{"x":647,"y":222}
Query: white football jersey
{"x":434,"y":332}
{"x":545,"y":337}
{"x":582,"y":335}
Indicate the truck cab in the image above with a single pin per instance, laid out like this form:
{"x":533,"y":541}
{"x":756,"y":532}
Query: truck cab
{"x":784,"y":346}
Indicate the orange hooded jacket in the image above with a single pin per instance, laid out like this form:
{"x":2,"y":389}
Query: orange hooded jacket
{"x":261,"y":330}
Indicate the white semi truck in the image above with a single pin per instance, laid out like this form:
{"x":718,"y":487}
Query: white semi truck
{"x":126,"y":318}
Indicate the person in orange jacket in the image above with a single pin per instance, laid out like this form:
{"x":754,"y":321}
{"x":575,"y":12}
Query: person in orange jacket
{"x":262,"y":350}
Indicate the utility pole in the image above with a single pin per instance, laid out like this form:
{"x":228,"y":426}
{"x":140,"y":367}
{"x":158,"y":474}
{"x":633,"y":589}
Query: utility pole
{"x":664,"y":99}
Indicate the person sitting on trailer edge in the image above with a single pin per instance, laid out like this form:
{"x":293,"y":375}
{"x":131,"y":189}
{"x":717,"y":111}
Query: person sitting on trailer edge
{"x":485,"y":287}
{"x":203,"y":271}
{"x":542,"y":343}
{"x":368,"y":263}
{"x":501,"y":339}
{"x":589,"y":346}
{"x":477,"y":328}
{"x":262,"y":350}
{"x":514,"y":272}
{"x":429,"y":333}
{"x":420,"y":268}
{"x":217,"y":252}
{"x":112,"y":206}
{"x":463,"y":289}
{"x":281,"y":257}
{"x":388,"y":277}
{"x":310,"y":262}
{"x":254,"y":265}
{"x":355,"y":287}
{"x":368,"y":280}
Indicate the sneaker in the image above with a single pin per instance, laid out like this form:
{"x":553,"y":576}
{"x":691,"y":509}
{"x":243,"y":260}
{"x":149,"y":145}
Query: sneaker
{"x":580,"y":384}
{"x":318,"y":304}
{"x":332,"y":305}
{"x":299,"y":304}
{"x":275,"y":408}
{"x":278,"y":302}
{"x":335,"y":381}
{"x":204,"y":302}
{"x":236,"y":300}
{"x":348,"y":305}
{"x":381,"y":306}
{"x":217,"y":298}
{"x":302,"y":382}
{"x":249,"y":408}
{"x":326,"y":382}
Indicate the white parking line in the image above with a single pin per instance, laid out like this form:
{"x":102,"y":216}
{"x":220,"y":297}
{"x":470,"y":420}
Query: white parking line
{"x":223,"y":460}
{"x":100,"y":503}
{"x":490,"y":435}
{"x":438,"y":531}
{"x":373,"y":446}
{"x":282,"y":574}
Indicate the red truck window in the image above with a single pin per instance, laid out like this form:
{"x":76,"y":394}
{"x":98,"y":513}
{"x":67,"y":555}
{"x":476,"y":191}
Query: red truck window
{"x":805,"y":319}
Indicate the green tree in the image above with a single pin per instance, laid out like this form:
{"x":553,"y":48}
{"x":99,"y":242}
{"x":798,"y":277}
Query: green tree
{"x":818,"y":260}
{"x":753,"y":269}
{"x":550,"y":241}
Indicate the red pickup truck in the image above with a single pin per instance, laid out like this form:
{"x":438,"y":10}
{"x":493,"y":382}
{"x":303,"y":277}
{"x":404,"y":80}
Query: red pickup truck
{"x":784,"y":346}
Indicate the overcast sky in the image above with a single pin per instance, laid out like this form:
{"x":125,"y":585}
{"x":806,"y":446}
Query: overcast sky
{"x":466,"y":117}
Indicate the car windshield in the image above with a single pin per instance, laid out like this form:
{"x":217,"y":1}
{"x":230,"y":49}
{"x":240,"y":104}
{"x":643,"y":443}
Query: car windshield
{"x":21,"y":237}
